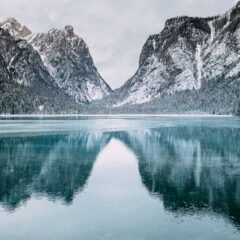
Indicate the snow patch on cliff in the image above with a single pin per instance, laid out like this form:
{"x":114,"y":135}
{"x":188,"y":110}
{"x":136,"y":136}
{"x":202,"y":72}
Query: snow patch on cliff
{"x":213,"y":31}
{"x":199,"y":63}
{"x":95,"y":92}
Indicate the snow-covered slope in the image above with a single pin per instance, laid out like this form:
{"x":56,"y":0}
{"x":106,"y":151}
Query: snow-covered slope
{"x":68,"y":60}
{"x":197,"y":56}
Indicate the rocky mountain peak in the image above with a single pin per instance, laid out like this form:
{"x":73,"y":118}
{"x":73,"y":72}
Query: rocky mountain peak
{"x":12,"y":21}
{"x":15,"y":28}
{"x":69,"y":30}
{"x":178,"y":21}
{"x":237,"y":4}
{"x":235,"y":11}
{"x":68,"y":60}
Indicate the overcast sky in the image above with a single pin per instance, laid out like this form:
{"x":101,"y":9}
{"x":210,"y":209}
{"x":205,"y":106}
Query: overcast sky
{"x":114,"y":30}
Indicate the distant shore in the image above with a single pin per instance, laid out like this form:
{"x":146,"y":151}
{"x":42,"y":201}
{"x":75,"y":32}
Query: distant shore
{"x":112,"y":115}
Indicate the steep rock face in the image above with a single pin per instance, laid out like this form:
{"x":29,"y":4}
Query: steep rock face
{"x":26,"y":85}
{"x":169,"y":62}
{"x":198,"y":57}
{"x":27,"y":80}
{"x":67,"y":58}
{"x":25,"y":65}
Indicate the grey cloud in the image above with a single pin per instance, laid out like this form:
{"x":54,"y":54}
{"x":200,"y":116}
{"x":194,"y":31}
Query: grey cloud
{"x":114,"y":30}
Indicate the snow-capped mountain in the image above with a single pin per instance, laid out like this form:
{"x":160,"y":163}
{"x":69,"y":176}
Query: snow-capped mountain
{"x":194,"y":62}
{"x":23,"y":61}
{"x":50,"y":73}
{"x":26,"y":85}
{"x":68,"y":60}
{"x":58,"y":59}
{"x":15,"y":28}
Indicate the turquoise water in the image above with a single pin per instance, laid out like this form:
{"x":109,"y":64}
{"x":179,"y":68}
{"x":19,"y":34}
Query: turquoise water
{"x":116,"y":178}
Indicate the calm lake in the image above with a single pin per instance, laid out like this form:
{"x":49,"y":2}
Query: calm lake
{"x":120,"y":178}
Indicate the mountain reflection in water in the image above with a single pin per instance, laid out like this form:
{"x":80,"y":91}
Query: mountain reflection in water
{"x":190,"y":169}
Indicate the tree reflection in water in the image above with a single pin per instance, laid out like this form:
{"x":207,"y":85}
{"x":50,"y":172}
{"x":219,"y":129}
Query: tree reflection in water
{"x":190,"y":169}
